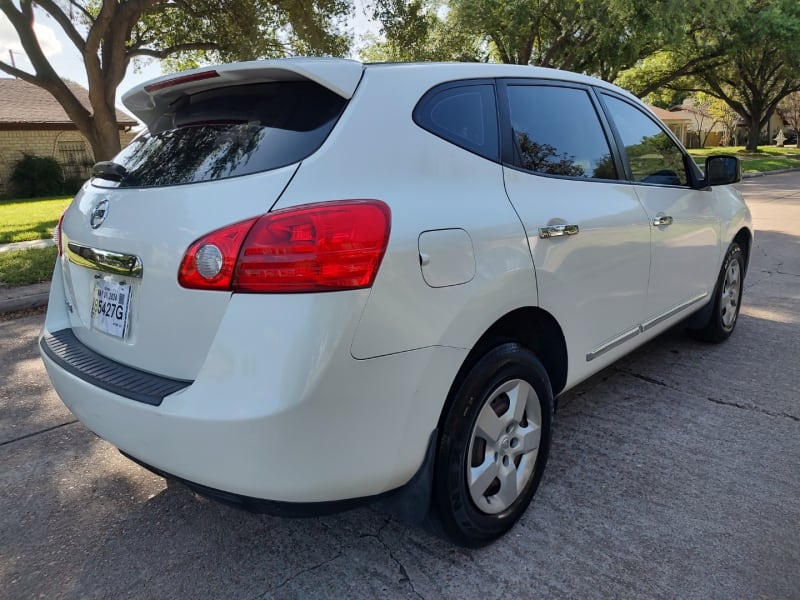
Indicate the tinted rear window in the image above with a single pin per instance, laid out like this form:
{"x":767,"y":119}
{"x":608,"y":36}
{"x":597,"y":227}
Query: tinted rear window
{"x":230,"y":132}
{"x":463,"y":114}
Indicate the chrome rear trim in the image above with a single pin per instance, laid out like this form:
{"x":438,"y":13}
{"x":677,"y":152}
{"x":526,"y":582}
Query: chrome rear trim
{"x":117,"y":263}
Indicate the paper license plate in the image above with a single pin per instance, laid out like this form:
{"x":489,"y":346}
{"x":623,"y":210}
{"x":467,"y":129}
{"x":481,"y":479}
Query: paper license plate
{"x":110,"y":307}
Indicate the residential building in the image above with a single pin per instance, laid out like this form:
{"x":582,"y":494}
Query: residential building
{"x":33,"y":122}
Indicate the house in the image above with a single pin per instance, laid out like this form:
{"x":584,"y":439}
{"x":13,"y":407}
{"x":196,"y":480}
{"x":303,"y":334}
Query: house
{"x":695,"y":128}
{"x":33,"y":122}
{"x":704,"y":130}
{"x":678,"y":122}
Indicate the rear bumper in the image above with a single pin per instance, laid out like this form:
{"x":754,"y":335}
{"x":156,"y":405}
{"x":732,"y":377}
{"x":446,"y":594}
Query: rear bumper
{"x":279,"y":411}
{"x":411,"y":501}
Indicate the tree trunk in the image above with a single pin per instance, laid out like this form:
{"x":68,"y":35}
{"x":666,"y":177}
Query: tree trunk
{"x":105,"y":137}
{"x":753,"y":134}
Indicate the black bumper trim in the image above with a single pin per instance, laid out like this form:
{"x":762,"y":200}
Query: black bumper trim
{"x":67,"y":351}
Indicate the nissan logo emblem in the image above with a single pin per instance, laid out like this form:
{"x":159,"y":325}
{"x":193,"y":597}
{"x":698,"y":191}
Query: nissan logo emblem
{"x":99,"y":214}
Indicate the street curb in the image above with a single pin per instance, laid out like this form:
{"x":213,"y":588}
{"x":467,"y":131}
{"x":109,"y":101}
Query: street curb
{"x":775,"y":172}
{"x":24,"y":297}
{"x":30,"y":245}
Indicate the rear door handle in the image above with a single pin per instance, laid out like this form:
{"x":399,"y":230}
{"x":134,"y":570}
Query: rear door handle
{"x":557,"y":230}
{"x":662,"y":219}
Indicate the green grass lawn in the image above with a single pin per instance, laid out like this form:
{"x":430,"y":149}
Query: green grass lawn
{"x":24,"y":267}
{"x":768,"y":158}
{"x":22,"y":220}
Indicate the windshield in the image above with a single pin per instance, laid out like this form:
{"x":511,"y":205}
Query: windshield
{"x":230,"y":132}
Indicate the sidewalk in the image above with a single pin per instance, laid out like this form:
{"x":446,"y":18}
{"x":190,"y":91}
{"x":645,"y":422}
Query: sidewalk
{"x":24,"y":297}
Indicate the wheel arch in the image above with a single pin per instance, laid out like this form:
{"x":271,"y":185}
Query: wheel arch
{"x":531,"y":327}
{"x":744,"y":238}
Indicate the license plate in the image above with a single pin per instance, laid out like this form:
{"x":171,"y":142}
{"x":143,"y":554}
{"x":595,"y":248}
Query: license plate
{"x":110,"y":307}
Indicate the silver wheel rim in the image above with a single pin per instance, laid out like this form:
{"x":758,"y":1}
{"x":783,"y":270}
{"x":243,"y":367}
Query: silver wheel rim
{"x":731,"y":290}
{"x":503,"y":446}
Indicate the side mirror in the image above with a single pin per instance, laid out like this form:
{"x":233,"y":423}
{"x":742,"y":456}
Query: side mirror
{"x":722,"y":169}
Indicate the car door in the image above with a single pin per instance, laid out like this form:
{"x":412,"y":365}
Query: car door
{"x":685,"y":242}
{"x":588,"y":234}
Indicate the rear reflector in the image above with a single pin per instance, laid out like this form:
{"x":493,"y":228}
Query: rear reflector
{"x":311,"y":248}
{"x":228,"y":241}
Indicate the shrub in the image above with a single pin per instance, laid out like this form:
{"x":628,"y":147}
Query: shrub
{"x":35,"y":176}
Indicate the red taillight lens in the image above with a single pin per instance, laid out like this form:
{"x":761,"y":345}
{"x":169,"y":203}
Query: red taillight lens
{"x":57,"y":234}
{"x":311,"y":248}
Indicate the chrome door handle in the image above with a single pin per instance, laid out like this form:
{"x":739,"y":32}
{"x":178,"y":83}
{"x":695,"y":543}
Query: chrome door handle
{"x":662,"y":219}
{"x":557,"y":230}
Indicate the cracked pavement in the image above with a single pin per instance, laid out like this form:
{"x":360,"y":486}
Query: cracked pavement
{"x":673,"y":473}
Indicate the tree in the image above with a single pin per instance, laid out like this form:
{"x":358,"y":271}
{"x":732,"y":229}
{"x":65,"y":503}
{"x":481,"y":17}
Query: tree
{"x":598,"y":37}
{"x":414,"y":31}
{"x":110,"y":34}
{"x":790,"y":109}
{"x":727,"y":117}
{"x":702,"y":119}
{"x":762,"y":63}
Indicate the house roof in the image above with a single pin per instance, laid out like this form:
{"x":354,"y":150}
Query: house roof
{"x":686,"y":114}
{"x":667,"y":116}
{"x":27,"y":104}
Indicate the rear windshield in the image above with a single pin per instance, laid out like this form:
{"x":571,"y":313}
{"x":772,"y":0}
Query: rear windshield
{"x":231,"y":131}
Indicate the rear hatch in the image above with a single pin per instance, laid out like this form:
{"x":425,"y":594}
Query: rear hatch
{"x":221,"y":146}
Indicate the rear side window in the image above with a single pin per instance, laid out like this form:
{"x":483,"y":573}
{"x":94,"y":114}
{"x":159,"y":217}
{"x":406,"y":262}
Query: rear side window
{"x":652,"y":155}
{"x":232,"y":131}
{"x":556,"y":131}
{"x":465,"y":115}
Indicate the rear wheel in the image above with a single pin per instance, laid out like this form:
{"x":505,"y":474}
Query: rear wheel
{"x":494,"y":445}
{"x":727,"y":299}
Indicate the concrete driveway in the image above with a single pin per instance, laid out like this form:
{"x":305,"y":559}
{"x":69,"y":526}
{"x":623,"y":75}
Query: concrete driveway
{"x":675,"y":473}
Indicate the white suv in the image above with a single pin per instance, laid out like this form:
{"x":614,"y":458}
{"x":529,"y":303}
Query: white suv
{"x":314,"y":282}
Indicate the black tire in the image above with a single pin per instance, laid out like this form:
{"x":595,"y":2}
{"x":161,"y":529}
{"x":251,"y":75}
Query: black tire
{"x":505,"y":366}
{"x":727,"y":301}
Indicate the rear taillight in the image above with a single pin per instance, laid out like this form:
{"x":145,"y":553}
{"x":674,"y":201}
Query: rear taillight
{"x":57,"y":233}
{"x":311,"y":248}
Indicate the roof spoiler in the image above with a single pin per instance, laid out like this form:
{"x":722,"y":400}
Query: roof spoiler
{"x":148,"y":101}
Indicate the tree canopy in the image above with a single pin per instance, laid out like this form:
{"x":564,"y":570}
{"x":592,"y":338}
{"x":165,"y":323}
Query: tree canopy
{"x":413,"y":30}
{"x":762,"y":63}
{"x":110,"y":34}
{"x":598,"y":37}
{"x":747,"y":56}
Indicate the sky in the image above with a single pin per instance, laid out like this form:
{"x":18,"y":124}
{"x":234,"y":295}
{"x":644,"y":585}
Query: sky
{"x":67,"y":62}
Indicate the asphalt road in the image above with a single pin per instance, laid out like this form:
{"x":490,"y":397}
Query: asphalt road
{"x":673,"y":474}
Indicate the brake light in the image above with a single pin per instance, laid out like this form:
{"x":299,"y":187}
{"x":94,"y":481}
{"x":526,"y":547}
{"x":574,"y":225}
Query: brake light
{"x":57,"y":234}
{"x":311,"y":248}
{"x":160,"y":85}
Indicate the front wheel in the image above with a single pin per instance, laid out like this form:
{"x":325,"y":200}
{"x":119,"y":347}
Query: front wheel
{"x":494,"y":445}
{"x":727,"y":299}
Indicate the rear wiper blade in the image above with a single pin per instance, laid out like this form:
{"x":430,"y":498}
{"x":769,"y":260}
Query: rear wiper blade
{"x":110,"y":170}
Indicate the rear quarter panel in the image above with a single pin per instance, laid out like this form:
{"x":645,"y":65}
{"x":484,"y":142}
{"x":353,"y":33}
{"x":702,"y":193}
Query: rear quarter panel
{"x":377,"y":151}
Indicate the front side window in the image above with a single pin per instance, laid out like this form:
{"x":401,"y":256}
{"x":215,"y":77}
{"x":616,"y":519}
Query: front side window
{"x":232,"y":131}
{"x":556,"y":131}
{"x":653,"y":156}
